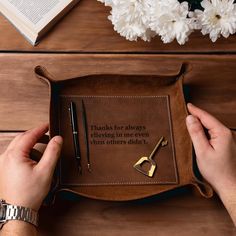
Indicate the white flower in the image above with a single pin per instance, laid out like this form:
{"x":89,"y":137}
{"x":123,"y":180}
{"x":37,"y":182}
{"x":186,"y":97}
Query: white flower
{"x":218,"y":18}
{"x":131,"y":19}
{"x":107,"y":2}
{"x":169,"y":19}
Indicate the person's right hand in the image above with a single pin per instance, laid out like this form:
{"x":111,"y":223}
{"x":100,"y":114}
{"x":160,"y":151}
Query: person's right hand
{"x":215,"y":153}
{"x":216,"y":156}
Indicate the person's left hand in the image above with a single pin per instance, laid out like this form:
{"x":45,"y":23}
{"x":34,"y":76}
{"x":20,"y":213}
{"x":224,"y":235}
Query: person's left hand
{"x":24,"y":182}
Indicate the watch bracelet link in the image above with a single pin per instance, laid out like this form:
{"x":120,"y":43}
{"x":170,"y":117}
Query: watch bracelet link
{"x":21,"y":213}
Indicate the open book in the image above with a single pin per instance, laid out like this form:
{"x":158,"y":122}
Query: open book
{"x":33,"y":18}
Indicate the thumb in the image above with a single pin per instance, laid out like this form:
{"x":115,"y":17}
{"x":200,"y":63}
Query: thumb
{"x":51,"y":155}
{"x":196,"y":132}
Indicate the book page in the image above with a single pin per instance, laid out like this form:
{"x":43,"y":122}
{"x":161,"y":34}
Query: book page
{"x":34,"y":10}
{"x":34,"y":13}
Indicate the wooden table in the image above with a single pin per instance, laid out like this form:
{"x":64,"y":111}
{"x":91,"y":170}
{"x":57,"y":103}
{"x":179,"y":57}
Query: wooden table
{"x":84,"y":43}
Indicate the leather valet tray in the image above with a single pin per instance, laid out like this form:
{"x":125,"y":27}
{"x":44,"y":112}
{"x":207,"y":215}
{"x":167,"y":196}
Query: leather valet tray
{"x":121,"y":118}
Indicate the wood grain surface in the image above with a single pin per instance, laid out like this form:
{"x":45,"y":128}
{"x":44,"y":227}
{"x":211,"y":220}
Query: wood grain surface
{"x":87,"y":29}
{"x":210,"y":81}
{"x":179,"y":213}
{"x":83,"y":43}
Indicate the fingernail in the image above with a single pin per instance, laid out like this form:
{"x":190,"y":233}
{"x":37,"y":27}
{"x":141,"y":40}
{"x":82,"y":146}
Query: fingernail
{"x":191,"y":119}
{"x":190,"y":104}
{"x":58,"y":139}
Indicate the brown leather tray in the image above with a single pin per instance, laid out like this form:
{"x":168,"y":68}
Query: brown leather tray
{"x":154,"y":102}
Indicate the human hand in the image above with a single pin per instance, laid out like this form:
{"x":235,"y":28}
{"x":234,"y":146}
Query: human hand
{"x":215,"y":153}
{"x":216,"y":156}
{"x":23,"y":181}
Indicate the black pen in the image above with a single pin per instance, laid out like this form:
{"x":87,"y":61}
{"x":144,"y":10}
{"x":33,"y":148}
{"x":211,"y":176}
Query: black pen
{"x":75,"y":133}
{"x":84,"y":117}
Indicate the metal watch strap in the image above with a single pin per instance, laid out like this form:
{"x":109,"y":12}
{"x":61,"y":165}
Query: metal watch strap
{"x":21,"y":213}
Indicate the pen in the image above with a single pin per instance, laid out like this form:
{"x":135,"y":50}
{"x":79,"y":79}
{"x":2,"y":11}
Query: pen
{"x":75,"y":133}
{"x":84,"y":117}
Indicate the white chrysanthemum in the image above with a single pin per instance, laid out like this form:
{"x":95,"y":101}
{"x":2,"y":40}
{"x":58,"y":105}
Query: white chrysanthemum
{"x":218,"y":18}
{"x":107,"y":2}
{"x":131,"y":19}
{"x":169,"y":19}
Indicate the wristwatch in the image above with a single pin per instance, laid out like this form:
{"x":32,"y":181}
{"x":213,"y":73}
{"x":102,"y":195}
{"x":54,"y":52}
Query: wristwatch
{"x":11,"y":212}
